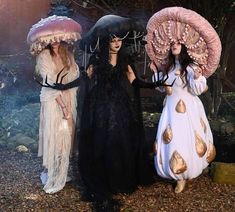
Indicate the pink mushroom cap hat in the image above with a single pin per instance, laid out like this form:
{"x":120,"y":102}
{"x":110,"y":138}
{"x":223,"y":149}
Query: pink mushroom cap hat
{"x":53,"y":29}
{"x":177,"y":24}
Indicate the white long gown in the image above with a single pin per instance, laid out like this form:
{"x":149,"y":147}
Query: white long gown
{"x":55,"y":133}
{"x":184,"y":142}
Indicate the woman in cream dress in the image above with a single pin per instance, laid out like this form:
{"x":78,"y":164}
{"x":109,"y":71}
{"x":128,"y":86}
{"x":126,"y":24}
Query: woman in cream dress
{"x":57,"y":116}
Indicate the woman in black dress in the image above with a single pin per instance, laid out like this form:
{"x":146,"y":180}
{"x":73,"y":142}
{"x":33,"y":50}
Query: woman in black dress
{"x":113,"y":154}
{"x":112,"y":150}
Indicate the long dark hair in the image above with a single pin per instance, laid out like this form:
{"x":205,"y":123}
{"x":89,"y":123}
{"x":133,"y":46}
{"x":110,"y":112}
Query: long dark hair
{"x":101,"y":57}
{"x":184,"y":61}
{"x":49,"y":47}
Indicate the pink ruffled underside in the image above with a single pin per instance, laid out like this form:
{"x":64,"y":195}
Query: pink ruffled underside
{"x":200,"y":24}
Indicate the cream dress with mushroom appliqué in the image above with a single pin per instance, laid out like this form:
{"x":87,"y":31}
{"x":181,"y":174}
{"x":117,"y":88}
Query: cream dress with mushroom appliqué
{"x":184,"y":142}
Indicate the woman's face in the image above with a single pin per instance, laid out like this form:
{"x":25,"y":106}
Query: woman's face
{"x":176,"y":48}
{"x":115,"y":45}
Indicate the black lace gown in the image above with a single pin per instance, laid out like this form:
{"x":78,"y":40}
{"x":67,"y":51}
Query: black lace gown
{"x":112,"y":150}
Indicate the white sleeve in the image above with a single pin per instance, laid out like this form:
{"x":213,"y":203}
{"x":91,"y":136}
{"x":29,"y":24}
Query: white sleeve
{"x":196,"y":86}
{"x":44,"y":68}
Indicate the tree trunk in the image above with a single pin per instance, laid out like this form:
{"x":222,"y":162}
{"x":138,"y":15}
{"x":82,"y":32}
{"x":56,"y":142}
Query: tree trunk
{"x":217,"y":96}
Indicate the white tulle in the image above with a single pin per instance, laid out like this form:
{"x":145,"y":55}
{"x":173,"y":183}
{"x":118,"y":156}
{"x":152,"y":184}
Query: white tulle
{"x":55,"y":133}
{"x":183,"y":127}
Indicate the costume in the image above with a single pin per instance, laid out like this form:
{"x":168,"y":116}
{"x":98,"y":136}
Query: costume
{"x":112,"y":149}
{"x":113,"y":154}
{"x":55,"y":133}
{"x":184,"y":142}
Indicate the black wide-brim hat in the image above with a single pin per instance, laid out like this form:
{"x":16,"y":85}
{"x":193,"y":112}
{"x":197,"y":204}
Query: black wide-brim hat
{"x":110,"y":26}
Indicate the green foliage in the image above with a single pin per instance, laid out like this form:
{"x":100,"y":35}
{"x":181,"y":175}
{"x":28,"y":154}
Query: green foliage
{"x":16,"y":101}
{"x":19,"y":114}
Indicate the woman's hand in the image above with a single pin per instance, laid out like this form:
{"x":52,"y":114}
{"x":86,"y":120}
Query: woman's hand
{"x":197,"y":71}
{"x":89,"y":71}
{"x":66,"y":114}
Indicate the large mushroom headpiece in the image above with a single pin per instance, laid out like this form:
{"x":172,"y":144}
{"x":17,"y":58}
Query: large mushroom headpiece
{"x":110,"y":26}
{"x":51,"y":30}
{"x":177,"y":24}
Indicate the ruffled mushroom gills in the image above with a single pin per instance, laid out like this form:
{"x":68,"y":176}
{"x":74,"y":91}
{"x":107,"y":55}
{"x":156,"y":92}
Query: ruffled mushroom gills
{"x":177,"y":24}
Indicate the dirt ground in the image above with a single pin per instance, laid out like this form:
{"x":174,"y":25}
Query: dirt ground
{"x":21,"y":190}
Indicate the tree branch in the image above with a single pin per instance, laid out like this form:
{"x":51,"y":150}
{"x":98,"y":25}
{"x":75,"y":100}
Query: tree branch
{"x":228,"y":103}
{"x":228,"y":83}
{"x":107,"y":5}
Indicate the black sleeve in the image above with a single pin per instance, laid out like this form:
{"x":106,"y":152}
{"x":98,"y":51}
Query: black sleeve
{"x":73,"y":84}
{"x":138,"y":83}
{"x":142,"y":84}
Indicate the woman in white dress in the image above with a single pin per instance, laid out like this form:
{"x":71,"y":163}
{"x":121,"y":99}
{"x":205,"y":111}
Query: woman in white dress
{"x":187,"y":49}
{"x":184,"y":142}
{"x":57,"y":116}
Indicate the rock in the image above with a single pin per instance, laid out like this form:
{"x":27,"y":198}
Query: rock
{"x":22,"y":148}
{"x":223,"y":172}
{"x":21,"y":139}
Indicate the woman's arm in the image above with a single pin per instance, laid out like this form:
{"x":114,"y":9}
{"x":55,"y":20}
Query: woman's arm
{"x":197,"y":82}
{"x":130,"y":74}
{"x":75,"y":83}
{"x":63,"y":107}
{"x":136,"y":82}
{"x":45,"y":69}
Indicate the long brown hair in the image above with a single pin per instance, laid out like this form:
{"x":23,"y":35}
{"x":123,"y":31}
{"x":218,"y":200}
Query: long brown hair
{"x":66,"y":53}
{"x":184,"y":61}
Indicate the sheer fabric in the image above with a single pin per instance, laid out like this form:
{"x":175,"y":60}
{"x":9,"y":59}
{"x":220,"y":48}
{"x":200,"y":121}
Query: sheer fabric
{"x":55,"y":133}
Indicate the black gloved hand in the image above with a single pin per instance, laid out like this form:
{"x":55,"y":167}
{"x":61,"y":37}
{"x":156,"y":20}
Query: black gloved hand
{"x":142,"y":84}
{"x":59,"y":86}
